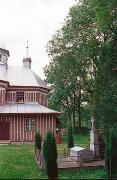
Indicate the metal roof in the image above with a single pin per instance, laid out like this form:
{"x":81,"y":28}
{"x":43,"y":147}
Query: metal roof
{"x":26,"y":108}
{"x":21,"y":76}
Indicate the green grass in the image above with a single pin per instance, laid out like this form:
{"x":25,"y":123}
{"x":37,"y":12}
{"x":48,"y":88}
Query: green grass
{"x":80,"y":139}
{"x":18,"y":162}
{"x":83,"y":174}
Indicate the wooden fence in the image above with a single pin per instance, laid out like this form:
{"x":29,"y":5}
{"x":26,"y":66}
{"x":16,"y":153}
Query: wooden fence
{"x":40,"y":159}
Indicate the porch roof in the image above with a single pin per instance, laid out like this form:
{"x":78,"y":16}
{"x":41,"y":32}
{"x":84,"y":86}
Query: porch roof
{"x":26,"y":108}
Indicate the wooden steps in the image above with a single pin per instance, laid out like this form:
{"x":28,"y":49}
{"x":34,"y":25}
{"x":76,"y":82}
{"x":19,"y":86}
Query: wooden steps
{"x":97,"y":158}
{"x":67,"y":164}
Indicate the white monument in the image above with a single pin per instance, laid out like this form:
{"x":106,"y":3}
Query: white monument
{"x":94,"y":143}
{"x":81,"y":154}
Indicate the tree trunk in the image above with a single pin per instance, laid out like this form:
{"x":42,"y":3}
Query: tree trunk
{"x":51,"y":178}
{"x":79,"y":106}
{"x":68,"y":112}
{"x":74,"y":124}
{"x":79,"y":115}
{"x":74,"y":120}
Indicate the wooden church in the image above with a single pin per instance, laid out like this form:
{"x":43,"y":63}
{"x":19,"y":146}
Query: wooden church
{"x":23,"y":102}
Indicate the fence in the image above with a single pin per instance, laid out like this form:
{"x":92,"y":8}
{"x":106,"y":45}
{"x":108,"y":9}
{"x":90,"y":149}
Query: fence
{"x":69,"y":162}
{"x":64,"y":151}
{"x":39,"y":159}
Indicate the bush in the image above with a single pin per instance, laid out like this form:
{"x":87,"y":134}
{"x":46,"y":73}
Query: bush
{"x":37,"y":141}
{"x":50,"y":156}
{"x":70,"y":137}
{"x":81,"y":130}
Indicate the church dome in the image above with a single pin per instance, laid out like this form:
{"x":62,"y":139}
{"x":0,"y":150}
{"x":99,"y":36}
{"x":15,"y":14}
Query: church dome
{"x":27,"y":58}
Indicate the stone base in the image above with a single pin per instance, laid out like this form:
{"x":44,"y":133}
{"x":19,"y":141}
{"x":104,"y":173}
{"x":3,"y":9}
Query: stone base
{"x":95,"y":149}
{"x":81,"y":154}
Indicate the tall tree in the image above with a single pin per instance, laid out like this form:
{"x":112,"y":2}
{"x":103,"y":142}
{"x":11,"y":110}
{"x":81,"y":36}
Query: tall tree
{"x":106,"y":14}
{"x":70,"y":67}
{"x":85,"y":49}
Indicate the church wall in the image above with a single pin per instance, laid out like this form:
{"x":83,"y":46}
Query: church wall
{"x":17,"y":126}
{"x":29,"y":97}
{"x":3,"y":86}
{"x":2,"y":96}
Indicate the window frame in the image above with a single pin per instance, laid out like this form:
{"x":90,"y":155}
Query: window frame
{"x":29,"y":124}
{"x":20,"y":96}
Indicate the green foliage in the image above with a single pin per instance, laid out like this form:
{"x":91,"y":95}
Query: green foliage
{"x":70,"y":70}
{"x":83,"y":65}
{"x":111,"y":153}
{"x":86,"y":116}
{"x":38,"y":141}
{"x":106,"y":105}
{"x":70,"y":137}
{"x":50,"y":155}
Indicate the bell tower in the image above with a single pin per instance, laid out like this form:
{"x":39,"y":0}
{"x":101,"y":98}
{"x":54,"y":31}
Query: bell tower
{"x":27,"y":59}
{"x":4,"y":54}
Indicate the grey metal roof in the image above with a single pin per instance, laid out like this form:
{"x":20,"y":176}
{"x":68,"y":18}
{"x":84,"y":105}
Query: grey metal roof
{"x":21,"y":76}
{"x":26,"y":108}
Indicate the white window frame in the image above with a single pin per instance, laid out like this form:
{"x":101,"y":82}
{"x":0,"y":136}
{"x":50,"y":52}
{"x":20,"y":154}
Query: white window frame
{"x":29,"y":124}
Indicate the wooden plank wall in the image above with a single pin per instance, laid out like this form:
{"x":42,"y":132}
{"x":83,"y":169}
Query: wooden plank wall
{"x":29,"y":97}
{"x":2,"y":96}
{"x":18,"y":133}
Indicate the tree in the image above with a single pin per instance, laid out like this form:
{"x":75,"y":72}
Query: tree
{"x":38,"y":141}
{"x":70,"y":137}
{"x":106,"y":111}
{"x":111,"y":152}
{"x":67,"y":70}
{"x":83,"y":64}
{"x":50,"y":156}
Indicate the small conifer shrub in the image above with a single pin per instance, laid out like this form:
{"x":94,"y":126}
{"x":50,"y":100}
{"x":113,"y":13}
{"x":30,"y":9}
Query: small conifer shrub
{"x":70,"y":137}
{"x":37,"y":141}
{"x":50,"y":156}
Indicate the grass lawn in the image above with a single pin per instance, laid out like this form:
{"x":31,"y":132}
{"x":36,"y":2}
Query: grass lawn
{"x":18,"y":162}
{"x":80,"y":139}
{"x":84,"y":174}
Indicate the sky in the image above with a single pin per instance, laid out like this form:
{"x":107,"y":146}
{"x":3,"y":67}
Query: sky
{"x":32,"y":20}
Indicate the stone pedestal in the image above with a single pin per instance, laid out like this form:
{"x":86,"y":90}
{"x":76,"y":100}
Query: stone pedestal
{"x":94,"y":143}
{"x":80,"y":154}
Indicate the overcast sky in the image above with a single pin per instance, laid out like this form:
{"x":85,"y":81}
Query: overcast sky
{"x":32,"y":20}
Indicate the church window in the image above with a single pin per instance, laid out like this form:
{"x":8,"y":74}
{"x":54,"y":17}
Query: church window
{"x":29,"y":124}
{"x":20,"y":97}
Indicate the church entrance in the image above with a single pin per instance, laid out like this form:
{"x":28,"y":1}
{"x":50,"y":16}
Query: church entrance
{"x":4,"y":130}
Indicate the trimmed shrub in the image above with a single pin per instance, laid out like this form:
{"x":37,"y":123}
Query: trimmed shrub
{"x":50,"y":156}
{"x":70,"y":137}
{"x":37,"y":141}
